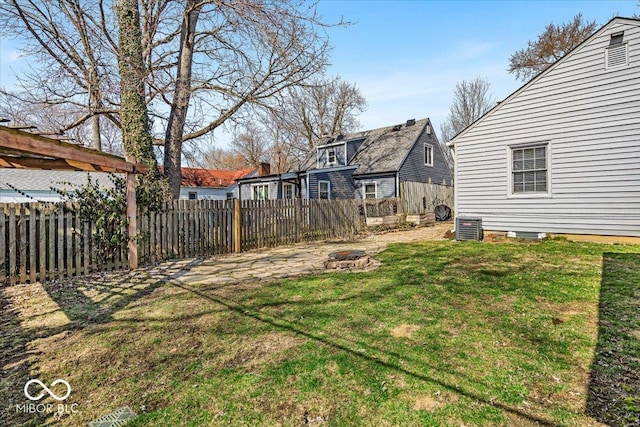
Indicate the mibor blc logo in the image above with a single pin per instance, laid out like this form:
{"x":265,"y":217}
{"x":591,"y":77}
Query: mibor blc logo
{"x":35,"y":390}
{"x":46,"y":390}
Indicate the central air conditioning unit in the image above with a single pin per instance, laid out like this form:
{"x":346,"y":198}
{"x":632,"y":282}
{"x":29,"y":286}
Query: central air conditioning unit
{"x":469,"y":228}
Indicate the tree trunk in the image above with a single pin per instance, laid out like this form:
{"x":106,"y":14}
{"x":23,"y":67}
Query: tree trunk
{"x":181,"y":96}
{"x":136,"y":140}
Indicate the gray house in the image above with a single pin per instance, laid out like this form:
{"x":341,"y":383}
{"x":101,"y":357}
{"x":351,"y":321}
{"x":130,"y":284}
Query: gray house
{"x":369,"y":164}
{"x":562,"y":153}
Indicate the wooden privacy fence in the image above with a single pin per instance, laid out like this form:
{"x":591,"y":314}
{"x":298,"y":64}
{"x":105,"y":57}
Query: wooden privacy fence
{"x":267,"y":223}
{"x":49,"y":241}
{"x":423,"y":197}
{"x":185,"y":229}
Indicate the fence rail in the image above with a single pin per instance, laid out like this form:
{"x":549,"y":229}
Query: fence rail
{"x":50,"y":241}
{"x":423,"y":197}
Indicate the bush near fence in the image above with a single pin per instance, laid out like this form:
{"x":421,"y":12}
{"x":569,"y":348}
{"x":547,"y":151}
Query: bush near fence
{"x":49,"y":241}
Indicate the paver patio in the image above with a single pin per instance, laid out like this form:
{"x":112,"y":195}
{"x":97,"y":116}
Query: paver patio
{"x":283,"y":261}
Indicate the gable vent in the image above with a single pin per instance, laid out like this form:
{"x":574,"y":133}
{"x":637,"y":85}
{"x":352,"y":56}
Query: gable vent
{"x":616,"y":56}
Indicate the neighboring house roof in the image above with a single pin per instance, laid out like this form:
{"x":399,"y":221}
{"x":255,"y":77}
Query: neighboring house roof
{"x":213,"y":178}
{"x":44,"y":180}
{"x":540,"y":75}
{"x":383,"y":149}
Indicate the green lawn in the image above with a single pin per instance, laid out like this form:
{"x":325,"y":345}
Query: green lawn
{"x":442,"y":334}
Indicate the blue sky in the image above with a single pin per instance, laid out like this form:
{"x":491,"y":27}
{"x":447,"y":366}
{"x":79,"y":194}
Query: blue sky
{"x":407,"y":56}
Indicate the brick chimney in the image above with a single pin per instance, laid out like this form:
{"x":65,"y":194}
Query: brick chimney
{"x":264,"y":169}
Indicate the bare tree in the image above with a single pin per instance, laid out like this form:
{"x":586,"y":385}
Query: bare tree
{"x":471,"y":99}
{"x":219,"y":158}
{"x":204,"y":61}
{"x":554,"y":43}
{"x":323,"y":108}
{"x":250,"y":144}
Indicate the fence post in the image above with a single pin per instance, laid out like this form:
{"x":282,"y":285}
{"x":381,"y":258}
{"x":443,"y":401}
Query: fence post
{"x":298,"y":219}
{"x":237,"y":226}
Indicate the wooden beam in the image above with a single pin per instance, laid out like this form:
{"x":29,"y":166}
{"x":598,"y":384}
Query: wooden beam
{"x":35,"y":163}
{"x":132,"y":248}
{"x":25,"y":142}
{"x":81,"y":165}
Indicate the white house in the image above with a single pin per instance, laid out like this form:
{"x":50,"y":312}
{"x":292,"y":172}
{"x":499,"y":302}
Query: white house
{"x":562,"y":153}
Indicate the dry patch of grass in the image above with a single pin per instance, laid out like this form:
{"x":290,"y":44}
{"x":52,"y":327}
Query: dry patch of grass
{"x":404,"y":331}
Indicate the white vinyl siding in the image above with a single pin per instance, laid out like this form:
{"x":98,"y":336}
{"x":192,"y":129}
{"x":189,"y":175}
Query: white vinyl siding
{"x":590,"y":114}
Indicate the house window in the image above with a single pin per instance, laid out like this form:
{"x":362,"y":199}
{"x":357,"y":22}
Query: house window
{"x":288,"y":191}
{"x":331,"y":156}
{"x":324,"y":190}
{"x":529,"y":169}
{"x":428,"y":154}
{"x":260,"y":192}
{"x":193,"y":195}
{"x":371,"y":190}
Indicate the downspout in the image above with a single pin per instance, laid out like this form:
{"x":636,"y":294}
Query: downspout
{"x":306,"y":181}
{"x":397,"y":183}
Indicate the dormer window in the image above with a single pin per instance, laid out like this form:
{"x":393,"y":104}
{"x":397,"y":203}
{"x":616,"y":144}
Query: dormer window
{"x":331,"y":156}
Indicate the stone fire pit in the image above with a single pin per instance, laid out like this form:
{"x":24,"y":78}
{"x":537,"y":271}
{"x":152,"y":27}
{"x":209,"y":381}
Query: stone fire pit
{"x":348,"y":259}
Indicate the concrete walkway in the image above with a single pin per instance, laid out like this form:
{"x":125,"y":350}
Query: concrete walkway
{"x":283,"y":261}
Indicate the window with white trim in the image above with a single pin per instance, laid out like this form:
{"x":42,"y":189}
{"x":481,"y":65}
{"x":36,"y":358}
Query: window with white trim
{"x":370,"y":190}
{"x":193,"y":195}
{"x":529,"y":169}
{"x":331,"y":156}
{"x":288,"y":191}
{"x":260,"y":192}
{"x":324,"y":190}
{"x":428,"y":154}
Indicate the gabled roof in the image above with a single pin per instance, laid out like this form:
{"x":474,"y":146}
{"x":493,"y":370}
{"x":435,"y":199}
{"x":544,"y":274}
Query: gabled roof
{"x":381,"y":150}
{"x":213,"y":178}
{"x":544,"y":73}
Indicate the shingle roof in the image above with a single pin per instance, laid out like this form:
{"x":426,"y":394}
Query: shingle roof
{"x":383,"y":149}
{"x":192,"y":177}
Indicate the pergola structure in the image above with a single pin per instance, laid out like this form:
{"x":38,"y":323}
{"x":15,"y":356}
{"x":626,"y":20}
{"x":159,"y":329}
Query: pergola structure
{"x":23,"y":150}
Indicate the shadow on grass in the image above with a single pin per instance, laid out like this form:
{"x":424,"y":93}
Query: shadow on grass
{"x":283,"y":325}
{"x":111,"y":292}
{"x":16,"y":368}
{"x":614,"y":388}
